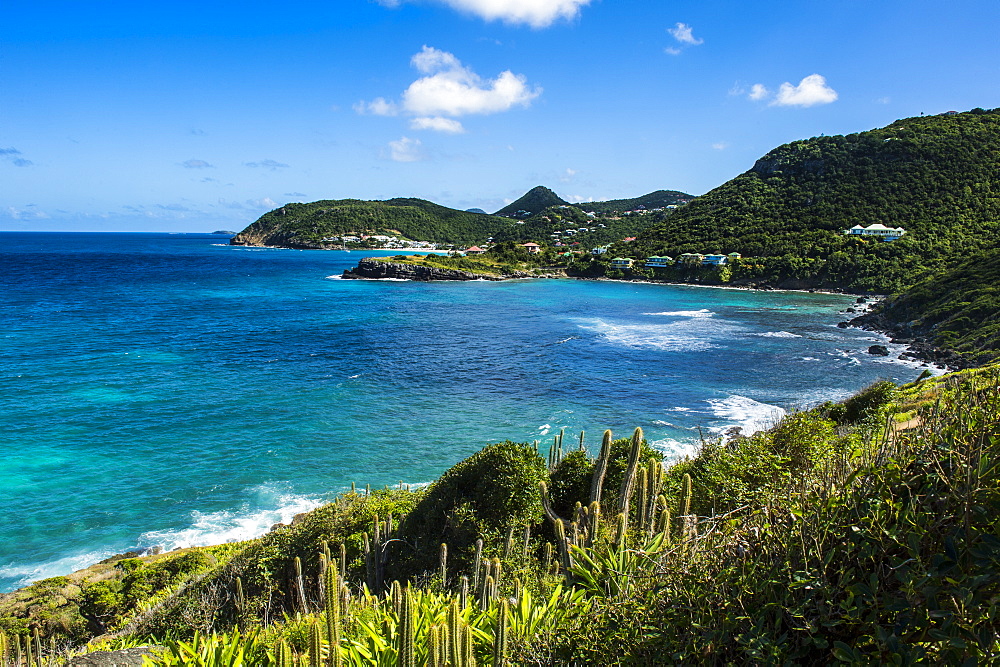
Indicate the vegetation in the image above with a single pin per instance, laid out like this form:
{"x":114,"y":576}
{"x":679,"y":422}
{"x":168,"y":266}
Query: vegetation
{"x":934,"y":176}
{"x":858,"y":532}
{"x":306,"y":225}
{"x":958,"y":310}
{"x":657,"y":199}
{"x":534,"y":201}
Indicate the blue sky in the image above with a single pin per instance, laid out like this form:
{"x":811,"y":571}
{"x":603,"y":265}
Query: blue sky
{"x":194,"y":116}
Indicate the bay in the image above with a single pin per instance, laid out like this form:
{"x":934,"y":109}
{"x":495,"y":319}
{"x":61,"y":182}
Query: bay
{"x":168,"y":389}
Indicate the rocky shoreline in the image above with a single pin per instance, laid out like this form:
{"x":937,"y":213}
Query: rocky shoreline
{"x":920,"y":346}
{"x":375,"y":269}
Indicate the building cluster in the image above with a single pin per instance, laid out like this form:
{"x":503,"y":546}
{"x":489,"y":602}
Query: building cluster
{"x":380,"y":241}
{"x":685,"y":259}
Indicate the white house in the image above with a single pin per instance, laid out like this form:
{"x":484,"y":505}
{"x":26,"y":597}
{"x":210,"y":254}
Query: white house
{"x":532,"y":248}
{"x":877,"y":230}
{"x":713,"y":260}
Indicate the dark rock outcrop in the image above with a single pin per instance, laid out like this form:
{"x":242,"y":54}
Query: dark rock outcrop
{"x":375,"y":269}
{"x":878,"y":350}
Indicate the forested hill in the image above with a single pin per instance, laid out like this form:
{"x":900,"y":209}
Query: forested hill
{"x":937,"y":176}
{"x":534,"y":201}
{"x":658,"y":199}
{"x":958,"y":310}
{"x":306,"y":225}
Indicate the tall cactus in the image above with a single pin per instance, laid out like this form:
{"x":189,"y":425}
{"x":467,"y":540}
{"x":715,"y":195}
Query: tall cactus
{"x":315,"y":644}
{"x":331,"y":602}
{"x":500,"y":637}
{"x":407,"y":633}
{"x":562,"y":545}
{"x":582,"y":448}
{"x":547,"y":503}
{"x":477,"y":564}
{"x":687,"y":524}
{"x":300,"y":586}
{"x":443,"y":565}
{"x":463,"y":594}
{"x":454,"y":633}
{"x":600,"y":468}
{"x":4,"y":646}
{"x":628,"y":481}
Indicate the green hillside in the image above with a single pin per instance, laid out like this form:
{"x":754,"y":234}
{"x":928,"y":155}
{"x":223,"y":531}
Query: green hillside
{"x":658,"y":199}
{"x":958,"y":310}
{"x":306,"y":225}
{"x":938,"y":177}
{"x":534,"y":201}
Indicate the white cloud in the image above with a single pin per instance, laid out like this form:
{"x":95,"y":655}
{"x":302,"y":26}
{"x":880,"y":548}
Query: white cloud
{"x":438,"y":124}
{"x":377,"y":107}
{"x":720,"y":145}
{"x":266,"y":202}
{"x":195,"y":164}
{"x":405,"y":150}
{"x":683,"y":34}
{"x":535,"y":13}
{"x":758,"y":91}
{"x":883,"y":100}
{"x":672,"y":50}
{"x":812,"y":90}
{"x":273,"y":165}
{"x":451,"y":89}
{"x":567,"y":175}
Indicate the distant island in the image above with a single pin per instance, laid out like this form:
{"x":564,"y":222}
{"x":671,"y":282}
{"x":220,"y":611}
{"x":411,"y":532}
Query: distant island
{"x":224,"y":232}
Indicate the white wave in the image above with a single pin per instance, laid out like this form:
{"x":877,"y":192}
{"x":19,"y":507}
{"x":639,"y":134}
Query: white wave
{"x":679,"y":408}
{"x":335,"y":277}
{"x":686,"y":335}
{"x":704,"y":312}
{"x":750,"y":415}
{"x":220,"y":527}
{"x":808,"y":359}
{"x":776,"y":334}
{"x":544,"y":429}
{"x":674,"y":449}
{"x":25,"y":574}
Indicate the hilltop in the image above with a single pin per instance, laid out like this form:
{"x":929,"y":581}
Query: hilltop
{"x":320,"y":223}
{"x":534,"y":201}
{"x":935,"y":176}
{"x":654,"y":200}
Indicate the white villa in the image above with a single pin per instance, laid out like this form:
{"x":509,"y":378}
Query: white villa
{"x":878,"y":230}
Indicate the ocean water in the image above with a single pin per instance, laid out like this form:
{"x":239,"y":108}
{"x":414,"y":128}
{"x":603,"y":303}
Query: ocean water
{"x":165,"y":389}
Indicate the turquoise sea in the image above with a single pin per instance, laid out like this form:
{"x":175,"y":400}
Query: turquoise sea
{"x":164,"y":389}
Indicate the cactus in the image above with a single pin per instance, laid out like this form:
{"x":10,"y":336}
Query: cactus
{"x":548,"y":556}
{"x":622,"y":531}
{"x":547,"y":503}
{"x":593,"y":521}
{"x":497,"y":569}
{"x":331,"y":602}
{"x":478,"y":563}
{"x":407,"y":650}
{"x":643,"y":496}
{"x":343,"y":562}
{"x":526,"y":544}
{"x":582,"y":448}
{"x":315,"y":643}
{"x":443,"y":564}
{"x":434,"y":646}
{"x":685,"y":506}
{"x":561,"y":543}
{"x":300,"y":585}
{"x":509,"y":543}
{"x":369,"y":563}
{"x":282,"y":654}
{"x":600,"y":467}
{"x":463,"y":595}
{"x":396,"y":593}
{"x":3,"y":648}
{"x":500,"y":637}
{"x":628,"y":481}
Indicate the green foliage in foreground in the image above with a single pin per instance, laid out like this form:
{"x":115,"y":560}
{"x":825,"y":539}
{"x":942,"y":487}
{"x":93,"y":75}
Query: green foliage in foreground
{"x":863,"y":532}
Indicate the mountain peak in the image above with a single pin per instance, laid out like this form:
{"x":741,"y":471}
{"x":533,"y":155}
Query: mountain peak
{"x":535,"y":200}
